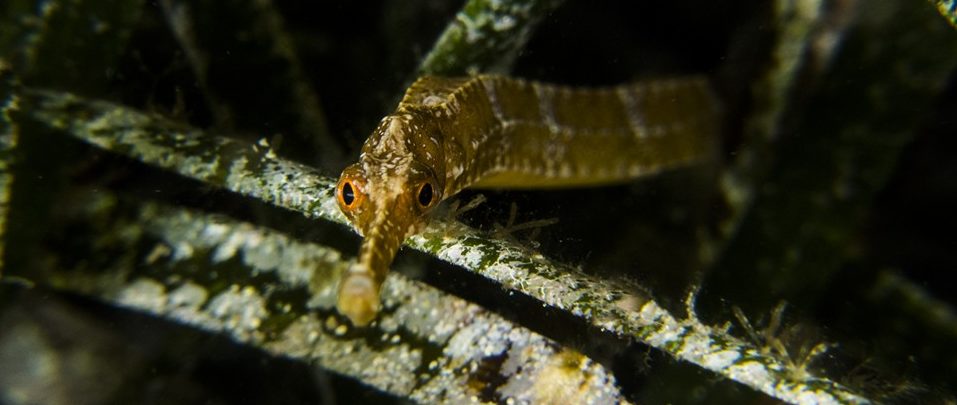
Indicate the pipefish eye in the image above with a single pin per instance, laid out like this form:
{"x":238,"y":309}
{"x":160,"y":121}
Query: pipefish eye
{"x":426,"y":194}
{"x":347,"y":194}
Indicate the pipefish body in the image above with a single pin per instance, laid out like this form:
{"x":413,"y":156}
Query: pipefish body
{"x":492,"y":131}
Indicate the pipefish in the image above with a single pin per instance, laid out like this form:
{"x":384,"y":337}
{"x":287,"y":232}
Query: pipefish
{"x":491,"y":131}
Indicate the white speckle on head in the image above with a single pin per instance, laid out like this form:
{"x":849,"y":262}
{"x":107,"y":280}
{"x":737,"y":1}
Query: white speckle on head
{"x":393,"y":139}
{"x":457,"y":171}
{"x":388,"y":159}
{"x":432,"y":100}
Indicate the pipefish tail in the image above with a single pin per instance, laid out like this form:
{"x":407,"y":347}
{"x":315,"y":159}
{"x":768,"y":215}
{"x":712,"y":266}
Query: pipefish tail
{"x":498,"y":132}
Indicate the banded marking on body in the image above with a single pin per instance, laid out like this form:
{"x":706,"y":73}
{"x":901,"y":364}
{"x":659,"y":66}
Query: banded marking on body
{"x":492,"y":94}
{"x":545,"y":108}
{"x":630,"y":98}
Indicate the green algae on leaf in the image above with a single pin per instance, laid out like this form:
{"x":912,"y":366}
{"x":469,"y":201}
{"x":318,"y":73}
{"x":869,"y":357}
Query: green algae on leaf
{"x":485,"y":36}
{"x":251,"y":170}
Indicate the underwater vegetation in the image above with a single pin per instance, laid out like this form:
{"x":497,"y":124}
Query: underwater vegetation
{"x":170,"y":231}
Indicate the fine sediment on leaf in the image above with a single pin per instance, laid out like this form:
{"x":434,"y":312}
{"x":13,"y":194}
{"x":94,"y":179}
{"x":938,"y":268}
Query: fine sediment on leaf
{"x":428,"y":346}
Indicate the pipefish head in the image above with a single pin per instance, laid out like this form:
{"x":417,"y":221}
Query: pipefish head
{"x":387,"y":196}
